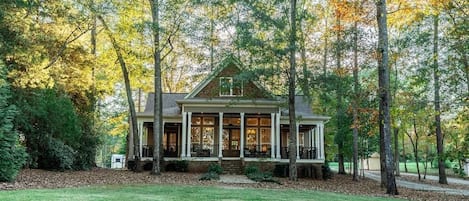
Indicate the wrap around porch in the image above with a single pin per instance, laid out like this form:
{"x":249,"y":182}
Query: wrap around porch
{"x":233,"y":136}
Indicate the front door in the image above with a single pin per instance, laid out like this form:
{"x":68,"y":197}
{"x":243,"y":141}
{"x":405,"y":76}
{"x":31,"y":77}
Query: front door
{"x":231,"y":142}
{"x":170,"y":141}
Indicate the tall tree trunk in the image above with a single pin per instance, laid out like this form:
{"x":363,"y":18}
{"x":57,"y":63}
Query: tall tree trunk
{"x":384,"y":94}
{"x":125,"y":74}
{"x":356,"y":101}
{"x":340,"y":110}
{"x":466,"y":70}
{"x":396,"y":150}
{"x":293,"y":174}
{"x":404,"y":155}
{"x":415,"y":147}
{"x":396,"y":128}
{"x":158,"y":112}
{"x":436,"y":82}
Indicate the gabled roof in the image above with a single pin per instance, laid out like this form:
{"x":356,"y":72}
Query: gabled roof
{"x":170,"y":106}
{"x":302,"y":108}
{"x":229,"y":61}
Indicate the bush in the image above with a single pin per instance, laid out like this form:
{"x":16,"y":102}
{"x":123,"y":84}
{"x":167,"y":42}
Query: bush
{"x":214,"y":171}
{"x":251,"y":169}
{"x":215,"y":167}
{"x":447,"y":163}
{"x":281,"y":170}
{"x":12,"y":155}
{"x":253,"y":173}
{"x":56,"y":156}
{"x":326,"y":172}
{"x":12,"y":158}
{"x":181,"y":166}
{"x":210,"y":176}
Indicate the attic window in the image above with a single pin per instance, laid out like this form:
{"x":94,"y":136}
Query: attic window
{"x":228,"y":87}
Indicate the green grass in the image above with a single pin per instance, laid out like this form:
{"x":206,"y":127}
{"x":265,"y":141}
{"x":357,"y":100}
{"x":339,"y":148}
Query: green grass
{"x":411,"y":168}
{"x":171,"y":192}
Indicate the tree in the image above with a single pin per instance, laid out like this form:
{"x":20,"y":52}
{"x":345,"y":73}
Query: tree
{"x":436,"y":83}
{"x":293,"y":175}
{"x":158,"y":107}
{"x":125,"y":75}
{"x":384,"y":94}
{"x":12,"y":154}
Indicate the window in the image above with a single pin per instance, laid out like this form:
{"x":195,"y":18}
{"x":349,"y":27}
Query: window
{"x":203,"y":135}
{"x":230,"y":87}
{"x":258,"y":133}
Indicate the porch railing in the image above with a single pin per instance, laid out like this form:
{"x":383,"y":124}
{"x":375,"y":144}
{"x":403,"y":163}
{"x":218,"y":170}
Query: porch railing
{"x":201,"y":150}
{"x":305,"y":153}
{"x":257,"y":151}
{"x":147,"y":151}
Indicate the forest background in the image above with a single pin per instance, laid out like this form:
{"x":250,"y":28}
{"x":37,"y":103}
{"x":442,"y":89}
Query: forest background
{"x":63,"y":100}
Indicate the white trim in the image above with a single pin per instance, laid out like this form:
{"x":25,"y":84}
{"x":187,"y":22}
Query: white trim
{"x":184,"y":133}
{"x":140,"y":136}
{"x":220,"y":134}
{"x":272,"y":135}
{"x":316,"y":140}
{"x":278,"y":133}
{"x":298,"y":141}
{"x":213,"y":159}
{"x":189,"y":130}
{"x":241,"y":148}
{"x":303,"y":161}
{"x":321,"y":140}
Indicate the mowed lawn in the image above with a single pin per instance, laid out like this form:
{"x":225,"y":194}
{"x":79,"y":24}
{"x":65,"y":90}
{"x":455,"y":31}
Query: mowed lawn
{"x":411,"y":168}
{"x":172,"y":192}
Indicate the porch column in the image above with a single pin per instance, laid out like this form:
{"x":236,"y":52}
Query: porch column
{"x":241,"y":143}
{"x":140,"y":137}
{"x":297,"y":140}
{"x":272,"y":135}
{"x":316,"y":140}
{"x":311,"y":143}
{"x":277,"y":135}
{"x":321,"y":140}
{"x":184,"y":139}
{"x":189,"y":125}
{"x":220,"y":135}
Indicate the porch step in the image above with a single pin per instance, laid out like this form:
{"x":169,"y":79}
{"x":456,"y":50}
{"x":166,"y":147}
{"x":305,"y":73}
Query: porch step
{"x":232,"y":166}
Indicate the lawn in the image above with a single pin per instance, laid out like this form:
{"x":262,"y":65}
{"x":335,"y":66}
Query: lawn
{"x":174,"y":192}
{"x":411,"y":168}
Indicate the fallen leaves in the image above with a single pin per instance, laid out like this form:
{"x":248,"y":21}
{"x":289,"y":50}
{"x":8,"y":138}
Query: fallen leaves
{"x":33,"y":178}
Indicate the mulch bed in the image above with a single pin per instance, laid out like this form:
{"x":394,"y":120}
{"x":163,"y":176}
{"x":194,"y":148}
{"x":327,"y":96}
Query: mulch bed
{"x":34,"y":179}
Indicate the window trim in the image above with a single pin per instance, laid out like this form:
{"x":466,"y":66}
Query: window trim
{"x":231,"y":91}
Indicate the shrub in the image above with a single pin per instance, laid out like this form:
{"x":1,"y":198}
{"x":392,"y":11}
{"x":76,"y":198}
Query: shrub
{"x":210,"y":176}
{"x":56,"y":156}
{"x":326,"y":172}
{"x":214,"y":171}
{"x":215,"y":167}
{"x":12,"y":158}
{"x":12,"y":155}
{"x":281,"y":170}
{"x":251,"y":169}
{"x":434,"y":163}
{"x":181,"y":166}
{"x":253,"y":173}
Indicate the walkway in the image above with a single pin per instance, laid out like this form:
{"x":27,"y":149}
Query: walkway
{"x":375,"y":175}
